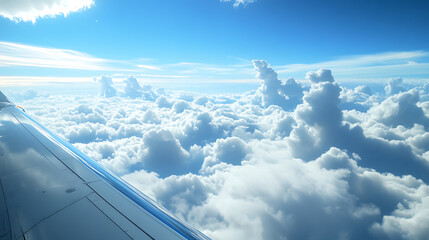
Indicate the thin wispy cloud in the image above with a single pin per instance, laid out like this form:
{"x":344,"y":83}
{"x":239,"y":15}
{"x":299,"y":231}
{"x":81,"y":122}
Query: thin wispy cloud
{"x":149,"y":67}
{"x":28,"y":80}
{"x":371,"y":67}
{"x":363,"y":65}
{"x":22,"y":10}
{"x":239,"y":2}
{"x":14,"y":54}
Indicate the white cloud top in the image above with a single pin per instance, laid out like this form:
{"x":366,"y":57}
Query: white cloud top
{"x":31,"y":10}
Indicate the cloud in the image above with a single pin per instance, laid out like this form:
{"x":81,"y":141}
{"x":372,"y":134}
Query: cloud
{"x":338,"y":163}
{"x":354,"y":62}
{"x":162,"y":153}
{"x":180,"y":106}
{"x":322,"y":75}
{"x":394,"y":86}
{"x":239,"y":2}
{"x":359,"y":99}
{"x":132,"y":88}
{"x":163,"y":102}
{"x":149,"y":67}
{"x":412,"y":65}
{"x":25,"y":95}
{"x":275,"y":92}
{"x":23,"y":10}
{"x":273,"y":197}
{"x":377,"y":67}
{"x":106,"y":86}
{"x":200,"y":131}
{"x":401,"y":109}
{"x":321,"y":111}
{"x":14,"y":54}
{"x":8,"y":81}
{"x":230,"y":150}
{"x":405,"y":223}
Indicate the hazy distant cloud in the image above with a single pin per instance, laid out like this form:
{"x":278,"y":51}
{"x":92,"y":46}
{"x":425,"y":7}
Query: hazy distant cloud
{"x":370,"y":67}
{"x":29,"y":80}
{"x":132,"y":88}
{"x":394,"y":86}
{"x":31,"y":10}
{"x":106,"y":86}
{"x":358,"y":61}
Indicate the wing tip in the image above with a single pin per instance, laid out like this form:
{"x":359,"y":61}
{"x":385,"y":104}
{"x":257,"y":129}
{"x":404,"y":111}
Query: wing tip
{"x":3,"y":98}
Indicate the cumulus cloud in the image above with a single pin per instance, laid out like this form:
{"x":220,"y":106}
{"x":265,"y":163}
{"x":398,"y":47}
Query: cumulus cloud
{"x":275,"y":92}
{"x":321,"y":111}
{"x":231,"y":150}
{"x":401,"y":109}
{"x":360,"y":98}
{"x":163,"y":102}
{"x":280,"y":162}
{"x":180,"y":106}
{"x":132,"y":88}
{"x":322,"y":75}
{"x":25,"y":10}
{"x":394,"y":86}
{"x":106,"y":86}
{"x":162,"y":153}
{"x":405,"y":223}
{"x":201,"y":131}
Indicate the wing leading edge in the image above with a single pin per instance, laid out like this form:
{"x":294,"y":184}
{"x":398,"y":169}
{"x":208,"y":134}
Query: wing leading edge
{"x":51,"y":190}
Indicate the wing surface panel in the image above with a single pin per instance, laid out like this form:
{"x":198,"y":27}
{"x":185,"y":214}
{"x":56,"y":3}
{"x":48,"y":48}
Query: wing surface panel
{"x":4,"y":216}
{"x":86,"y":219}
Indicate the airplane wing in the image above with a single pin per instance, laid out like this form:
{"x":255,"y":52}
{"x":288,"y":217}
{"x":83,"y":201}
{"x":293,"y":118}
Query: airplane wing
{"x":51,"y":190}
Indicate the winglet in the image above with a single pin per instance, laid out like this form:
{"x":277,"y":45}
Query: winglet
{"x":4,"y":99}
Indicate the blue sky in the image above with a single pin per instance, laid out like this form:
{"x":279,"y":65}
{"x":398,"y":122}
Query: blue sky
{"x":217,"y":40}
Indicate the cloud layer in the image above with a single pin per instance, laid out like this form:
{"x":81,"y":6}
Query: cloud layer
{"x":284,"y":161}
{"x":31,"y":10}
